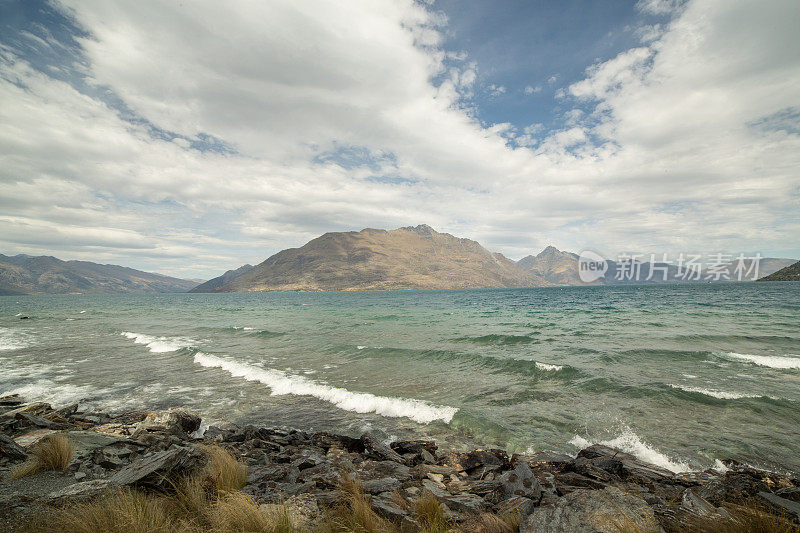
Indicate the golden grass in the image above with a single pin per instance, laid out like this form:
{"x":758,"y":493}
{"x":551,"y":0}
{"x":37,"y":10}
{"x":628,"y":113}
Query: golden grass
{"x":54,"y":452}
{"x":224,"y":471}
{"x":355,"y":514}
{"x":430,"y":514}
{"x":492,"y":523}
{"x":237,"y":512}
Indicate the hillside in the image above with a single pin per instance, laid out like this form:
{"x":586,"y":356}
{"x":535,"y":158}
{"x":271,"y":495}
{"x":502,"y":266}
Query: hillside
{"x":553,"y":265}
{"x":375,"y":259}
{"x":25,"y":274}
{"x":790,"y":273}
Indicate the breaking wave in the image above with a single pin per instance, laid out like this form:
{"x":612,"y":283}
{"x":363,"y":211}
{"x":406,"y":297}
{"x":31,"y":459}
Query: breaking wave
{"x":158,"y":344}
{"x":629,"y":442}
{"x":722,"y":395}
{"x":357,"y":402}
{"x":771,"y":361}
{"x":12,"y":340}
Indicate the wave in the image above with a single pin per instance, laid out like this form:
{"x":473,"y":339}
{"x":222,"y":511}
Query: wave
{"x":722,"y":395}
{"x":265,"y":333}
{"x":358,"y":402}
{"x":771,"y":361}
{"x":498,"y":339}
{"x":158,"y":344}
{"x":631,"y":443}
{"x":549,"y":368}
{"x":57,"y":394}
{"x":12,"y":340}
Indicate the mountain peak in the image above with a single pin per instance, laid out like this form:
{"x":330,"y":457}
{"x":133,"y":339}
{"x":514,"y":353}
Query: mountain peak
{"x":549,"y":251}
{"x":421,"y":229}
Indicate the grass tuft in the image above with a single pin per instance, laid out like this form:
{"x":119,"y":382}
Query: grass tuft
{"x":237,"y":512}
{"x":430,"y":514}
{"x":355,"y":514}
{"x":224,"y":471}
{"x":54,"y":452}
{"x":747,"y":518}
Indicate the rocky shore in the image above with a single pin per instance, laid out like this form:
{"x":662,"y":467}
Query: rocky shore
{"x":599,"y":490}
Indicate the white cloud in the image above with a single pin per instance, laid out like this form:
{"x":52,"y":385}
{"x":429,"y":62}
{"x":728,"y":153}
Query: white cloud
{"x":529,"y":89}
{"x":659,"y":153}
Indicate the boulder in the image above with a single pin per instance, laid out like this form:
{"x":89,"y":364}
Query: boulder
{"x":781,"y":504}
{"x":10,"y":449}
{"x":384,"y":484}
{"x":520,"y":481}
{"x":516,"y":505}
{"x":160,"y":469}
{"x":593,"y":511}
{"x":174,"y":421}
{"x":379,"y":452}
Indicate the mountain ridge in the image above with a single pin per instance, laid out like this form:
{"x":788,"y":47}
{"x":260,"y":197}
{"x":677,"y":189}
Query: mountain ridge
{"x":45,"y":274}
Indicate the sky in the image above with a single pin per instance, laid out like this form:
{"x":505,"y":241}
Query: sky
{"x":189,"y":138}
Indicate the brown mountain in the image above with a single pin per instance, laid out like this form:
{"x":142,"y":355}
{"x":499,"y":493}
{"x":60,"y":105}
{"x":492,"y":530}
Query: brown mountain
{"x":553,"y":265}
{"x":789,"y":273}
{"x":375,"y":259}
{"x":25,"y":274}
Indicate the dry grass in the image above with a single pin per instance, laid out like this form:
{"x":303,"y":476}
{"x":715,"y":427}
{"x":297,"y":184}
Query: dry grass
{"x":54,"y":452}
{"x":237,"y":512}
{"x":224,"y":471}
{"x":355,"y":514}
{"x":492,"y":523}
{"x":122,"y":511}
{"x":430,"y":514}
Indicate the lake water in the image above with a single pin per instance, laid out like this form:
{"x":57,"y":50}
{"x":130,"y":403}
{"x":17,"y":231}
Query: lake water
{"x":680,"y":375}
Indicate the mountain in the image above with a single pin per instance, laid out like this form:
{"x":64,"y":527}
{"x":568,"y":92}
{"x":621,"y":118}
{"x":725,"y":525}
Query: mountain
{"x":215,"y":283}
{"x":789,"y":273}
{"x":561,"y":268}
{"x":375,"y":259}
{"x":25,"y":274}
{"x":553,"y":265}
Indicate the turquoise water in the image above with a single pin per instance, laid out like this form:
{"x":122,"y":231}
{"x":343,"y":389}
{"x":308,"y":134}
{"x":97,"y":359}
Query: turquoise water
{"x":681,"y":375}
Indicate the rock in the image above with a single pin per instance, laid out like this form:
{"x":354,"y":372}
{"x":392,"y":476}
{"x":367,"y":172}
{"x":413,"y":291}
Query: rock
{"x":308,"y":458}
{"x":790,"y":493}
{"x":516,"y":505}
{"x":434,"y":489}
{"x":384,"y":505}
{"x":324,"y":476}
{"x":781,"y":504}
{"x":413,"y":446}
{"x":11,"y":400}
{"x":379,"y":452}
{"x":631,"y":466}
{"x":567,"y":482}
{"x":466,"y":504}
{"x":485,"y":460}
{"x":520,"y":481}
{"x":173,"y":421}
{"x":36,"y":409}
{"x":32,"y":437}
{"x":602,"y":468}
{"x":692,"y":503}
{"x":158,"y":469}
{"x":328,"y":440}
{"x":370,"y":469}
{"x":384,"y":484}
{"x":601,"y":511}
{"x":278,"y":472}
{"x":10,"y":449}
{"x":549,"y":460}
{"x":82,"y":490}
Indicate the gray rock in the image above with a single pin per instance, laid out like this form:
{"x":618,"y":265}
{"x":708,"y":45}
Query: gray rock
{"x":10,"y":449}
{"x":158,"y":469}
{"x":696,"y":505}
{"x":520,"y":481}
{"x":384,"y":505}
{"x":82,"y":490}
{"x":516,"y":505}
{"x":279,"y":472}
{"x":599,"y":511}
{"x":384,"y":484}
{"x":631,"y":466}
{"x":780,"y":503}
{"x":379,"y":452}
{"x":434,"y":489}
{"x":174,"y":421}
{"x":467,"y":504}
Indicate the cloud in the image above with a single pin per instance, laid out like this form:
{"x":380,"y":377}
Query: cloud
{"x":529,"y":89}
{"x":201,"y":136}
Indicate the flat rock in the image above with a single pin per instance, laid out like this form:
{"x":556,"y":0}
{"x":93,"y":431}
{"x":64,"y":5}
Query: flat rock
{"x":630,"y":465}
{"x":156,"y":470}
{"x":82,"y":490}
{"x":384,"y":484}
{"x":175,"y":421}
{"x":520,"y":481}
{"x":783,"y":504}
{"x":600,"y":511}
{"x":516,"y":505}
{"x":32,"y":437}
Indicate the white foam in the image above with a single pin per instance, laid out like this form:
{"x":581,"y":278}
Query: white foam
{"x":158,"y":344}
{"x":771,"y":361}
{"x":719,"y":466}
{"x":56,"y":394}
{"x":360,"y":347}
{"x":722,"y":395}
{"x":12,"y":340}
{"x":630,"y":442}
{"x":358,"y":402}
{"x":551,"y":368}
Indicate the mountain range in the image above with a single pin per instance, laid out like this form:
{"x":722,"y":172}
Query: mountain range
{"x":789,"y":273}
{"x":418,"y":257}
{"x":25,"y":274}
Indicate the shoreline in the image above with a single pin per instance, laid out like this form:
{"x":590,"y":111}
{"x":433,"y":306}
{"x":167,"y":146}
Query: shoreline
{"x":546,"y":491}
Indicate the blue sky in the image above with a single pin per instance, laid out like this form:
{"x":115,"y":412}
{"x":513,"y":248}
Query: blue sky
{"x":190,"y":138}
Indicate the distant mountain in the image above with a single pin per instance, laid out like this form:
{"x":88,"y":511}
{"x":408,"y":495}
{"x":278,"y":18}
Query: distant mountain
{"x":25,"y":274}
{"x":215,"y":283}
{"x":553,"y":265}
{"x":561,"y":268}
{"x":789,"y":273}
{"x":375,"y":259}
